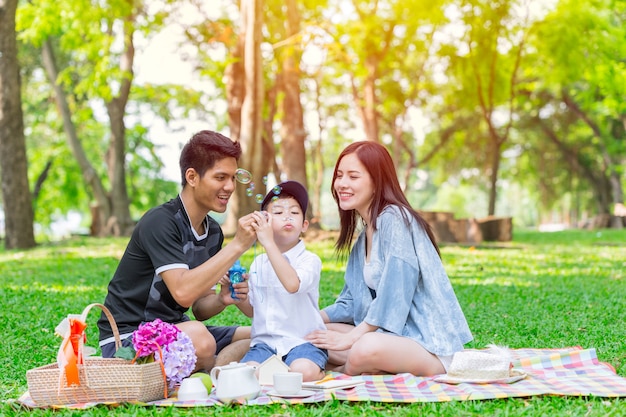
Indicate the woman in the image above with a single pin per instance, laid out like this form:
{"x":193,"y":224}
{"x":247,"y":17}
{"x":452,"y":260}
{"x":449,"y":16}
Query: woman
{"x":397,"y":311}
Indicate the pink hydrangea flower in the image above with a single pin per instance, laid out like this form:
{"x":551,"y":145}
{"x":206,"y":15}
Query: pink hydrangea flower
{"x":179,"y":355}
{"x":149,"y":336}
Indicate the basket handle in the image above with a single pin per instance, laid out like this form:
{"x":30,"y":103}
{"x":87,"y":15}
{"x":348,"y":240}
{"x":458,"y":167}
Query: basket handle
{"x":109,"y":316}
{"x":80,"y":353}
{"x":116,"y":335}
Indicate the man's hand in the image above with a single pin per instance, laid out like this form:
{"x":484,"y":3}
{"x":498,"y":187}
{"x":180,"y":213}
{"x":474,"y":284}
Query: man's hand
{"x":245,"y":234}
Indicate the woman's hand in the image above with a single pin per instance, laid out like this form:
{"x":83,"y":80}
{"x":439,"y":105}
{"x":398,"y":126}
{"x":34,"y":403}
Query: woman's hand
{"x":331,"y":340}
{"x":341,"y":338}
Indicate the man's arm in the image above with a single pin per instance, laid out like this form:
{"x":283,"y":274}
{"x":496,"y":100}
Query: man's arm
{"x":214,"y":302}
{"x":208,"y":306}
{"x":188,"y":285}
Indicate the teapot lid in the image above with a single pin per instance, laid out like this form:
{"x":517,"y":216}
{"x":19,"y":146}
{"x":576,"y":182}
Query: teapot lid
{"x":234,"y":365}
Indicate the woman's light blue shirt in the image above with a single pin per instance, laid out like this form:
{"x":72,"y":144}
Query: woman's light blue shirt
{"x":414,"y":296}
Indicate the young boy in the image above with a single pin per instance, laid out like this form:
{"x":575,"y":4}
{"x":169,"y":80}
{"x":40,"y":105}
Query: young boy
{"x":284,"y":286}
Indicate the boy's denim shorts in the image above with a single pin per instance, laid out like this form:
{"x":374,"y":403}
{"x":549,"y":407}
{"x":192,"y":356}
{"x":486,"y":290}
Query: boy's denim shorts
{"x":261,"y":352}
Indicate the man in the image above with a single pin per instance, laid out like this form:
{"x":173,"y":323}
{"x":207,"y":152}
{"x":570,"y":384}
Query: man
{"x":174,"y":258}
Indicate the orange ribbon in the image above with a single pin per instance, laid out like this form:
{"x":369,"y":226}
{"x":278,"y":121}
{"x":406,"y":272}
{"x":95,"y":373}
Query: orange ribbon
{"x":71,"y":347}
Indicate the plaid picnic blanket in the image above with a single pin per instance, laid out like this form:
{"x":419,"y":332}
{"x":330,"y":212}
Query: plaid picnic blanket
{"x":572,"y":371}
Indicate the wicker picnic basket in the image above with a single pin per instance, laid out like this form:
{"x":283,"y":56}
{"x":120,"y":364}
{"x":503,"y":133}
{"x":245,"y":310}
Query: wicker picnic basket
{"x":102,"y":380}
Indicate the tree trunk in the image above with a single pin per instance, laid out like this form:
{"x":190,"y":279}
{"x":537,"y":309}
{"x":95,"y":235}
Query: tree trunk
{"x":235,"y":93}
{"x":112,"y":210}
{"x":613,"y":177}
{"x":488,"y":101}
{"x":493,"y":176}
{"x":600,"y":186}
{"x":318,"y":158}
{"x":370,"y":114}
{"x":253,"y":156}
{"x":377,"y":48}
{"x":292,"y":131}
{"x":366,"y":106}
{"x":16,"y":196}
{"x":235,"y":89}
{"x":90,"y":176}
{"x":120,"y":222}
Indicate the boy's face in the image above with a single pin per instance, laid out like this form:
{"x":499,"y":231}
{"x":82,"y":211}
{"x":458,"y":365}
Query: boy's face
{"x":288,"y":219}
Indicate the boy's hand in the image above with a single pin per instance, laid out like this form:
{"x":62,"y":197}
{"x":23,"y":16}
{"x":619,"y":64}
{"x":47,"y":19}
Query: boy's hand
{"x":241,"y":290}
{"x":263,"y":227}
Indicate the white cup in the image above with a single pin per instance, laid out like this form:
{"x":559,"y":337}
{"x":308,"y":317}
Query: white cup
{"x":192,"y":389}
{"x":287,"y":383}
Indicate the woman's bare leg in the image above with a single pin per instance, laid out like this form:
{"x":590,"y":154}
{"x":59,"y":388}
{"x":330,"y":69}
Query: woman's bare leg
{"x":376,"y":353}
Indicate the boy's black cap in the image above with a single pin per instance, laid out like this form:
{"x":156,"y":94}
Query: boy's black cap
{"x":291,"y":188}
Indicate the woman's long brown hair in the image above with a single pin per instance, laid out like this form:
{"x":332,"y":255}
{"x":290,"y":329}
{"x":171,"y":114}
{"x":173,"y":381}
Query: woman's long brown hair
{"x":387,"y":191}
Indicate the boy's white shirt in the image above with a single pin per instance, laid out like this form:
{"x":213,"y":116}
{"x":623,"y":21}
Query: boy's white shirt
{"x":281,"y":320}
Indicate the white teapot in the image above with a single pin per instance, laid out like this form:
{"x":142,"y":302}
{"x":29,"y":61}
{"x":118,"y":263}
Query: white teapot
{"x":235,"y":382}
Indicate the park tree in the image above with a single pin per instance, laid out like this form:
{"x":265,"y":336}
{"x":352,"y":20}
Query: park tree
{"x":289,"y":55}
{"x":88,"y":58}
{"x":251,"y":128}
{"x":288,"y":27}
{"x":381,"y":58}
{"x":486,"y":68}
{"x":574,"y":91}
{"x":219,"y":48}
{"x":379,"y":45}
{"x":463,"y":65}
{"x":16,"y":195}
{"x":257,"y":87}
{"x":97,"y":70}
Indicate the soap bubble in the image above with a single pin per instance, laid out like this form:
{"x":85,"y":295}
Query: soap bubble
{"x":249,"y":192}
{"x":265,"y":180}
{"x":277,"y":189}
{"x":243,"y":176}
{"x":259,"y":198}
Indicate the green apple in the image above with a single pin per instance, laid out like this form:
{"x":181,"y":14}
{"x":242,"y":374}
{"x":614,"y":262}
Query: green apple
{"x":206,"y":379}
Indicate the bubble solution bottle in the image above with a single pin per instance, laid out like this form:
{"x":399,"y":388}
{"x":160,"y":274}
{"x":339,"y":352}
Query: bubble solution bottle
{"x":235,"y":275}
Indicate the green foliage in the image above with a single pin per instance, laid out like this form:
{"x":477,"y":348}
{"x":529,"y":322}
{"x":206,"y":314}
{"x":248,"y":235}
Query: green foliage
{"x":541,"y":290}
{"x":577,"y":85}
{"x":431,"y":56}
{"x":146,"y":185}
{"x":87,"y":44}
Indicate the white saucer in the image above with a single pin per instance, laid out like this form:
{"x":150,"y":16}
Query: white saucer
{"x":302,"y":394}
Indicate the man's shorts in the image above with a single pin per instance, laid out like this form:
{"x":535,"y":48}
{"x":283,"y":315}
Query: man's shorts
{"x":261,"y":352}
{"x":223,"y":337}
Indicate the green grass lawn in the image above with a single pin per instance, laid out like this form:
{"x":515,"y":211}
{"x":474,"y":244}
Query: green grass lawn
{"x":543,"y":290}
